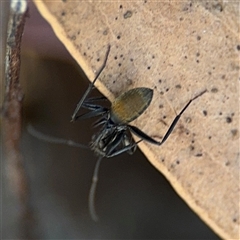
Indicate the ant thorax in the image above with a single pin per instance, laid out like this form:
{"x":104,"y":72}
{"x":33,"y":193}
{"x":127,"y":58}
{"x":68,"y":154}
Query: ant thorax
{"x":112,"y":139}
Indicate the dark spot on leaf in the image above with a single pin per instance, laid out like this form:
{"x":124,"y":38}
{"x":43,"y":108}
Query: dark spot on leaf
{"x":214,"y":90}
{"x":192,"y":147}
{"x":223,"y":76}
{"x":63,"y":13}
{"x":118,"y":37}
{"x":185,"y":57}
{"x":120,"y":6}
{"x":220,"y":113}
{"x":178,"y":86}
{"x":177,"y":161}
{"x":197,"y":61}
{"x":119,"y":64}
{"x":197,"y":54}
{"x":159,"y":81}
{"x":234,"y":132}
{"x":148,"y":67}
{"x":129,"y":81}
{"x":188,"y":120}
{"x":209,"y":137}
{"x":198,"y":155}
{"x":238,"y":47}
{"x":204,"y":112}
{"x":115,"y":57}
{"x":105,"y":32}
{"x":160,"y":106}
{"x":127,"y":14}
{"x":131,"y":59}
{"x":198,"y":38}
{"x":228,"y":119}
{"x":227,"y":163}
{"x":218,"y":7}
{"x":163,"y":122}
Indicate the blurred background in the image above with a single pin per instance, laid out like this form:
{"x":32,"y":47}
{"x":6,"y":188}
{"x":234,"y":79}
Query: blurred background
{"x":133,"y":200}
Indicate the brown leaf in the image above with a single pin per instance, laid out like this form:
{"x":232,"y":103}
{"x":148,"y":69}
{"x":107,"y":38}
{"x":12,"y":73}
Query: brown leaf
{"x":178,"y":49}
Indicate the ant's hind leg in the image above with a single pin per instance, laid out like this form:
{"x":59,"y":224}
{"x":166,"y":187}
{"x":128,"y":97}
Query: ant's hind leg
{"x":147,"y":138}
{"x":176,"y":119}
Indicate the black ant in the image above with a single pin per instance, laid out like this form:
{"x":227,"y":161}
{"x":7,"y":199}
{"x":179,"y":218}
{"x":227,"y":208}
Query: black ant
{"x":114,"y":136}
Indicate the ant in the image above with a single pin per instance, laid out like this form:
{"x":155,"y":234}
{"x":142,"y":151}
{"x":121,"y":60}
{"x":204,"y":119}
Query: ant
{"x":114,"y":136}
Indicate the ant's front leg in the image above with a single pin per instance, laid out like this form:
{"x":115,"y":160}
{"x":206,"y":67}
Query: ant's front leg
{"x":90,"y":87}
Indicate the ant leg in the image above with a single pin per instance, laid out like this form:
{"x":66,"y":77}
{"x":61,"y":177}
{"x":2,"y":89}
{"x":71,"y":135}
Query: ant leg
{"x":169,"y":131}
{"x":123,"y":150}
{"x":142,"y":135}
{"x":147,"y":138}
{"x":101,"y":98}
{"x":94,"y":113}
{"x":91,"y":197}
{"x":43,"y":137}
{"x":90,"y":87}
{"x":130,"y":148}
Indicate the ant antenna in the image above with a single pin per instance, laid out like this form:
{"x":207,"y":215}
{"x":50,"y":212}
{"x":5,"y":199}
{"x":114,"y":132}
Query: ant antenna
{"x":46,"y":138}
{"x":91,"y":197}
{"x":90,"y":87}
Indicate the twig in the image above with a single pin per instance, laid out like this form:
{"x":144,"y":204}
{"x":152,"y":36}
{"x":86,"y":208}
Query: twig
{"x":12,"y":117}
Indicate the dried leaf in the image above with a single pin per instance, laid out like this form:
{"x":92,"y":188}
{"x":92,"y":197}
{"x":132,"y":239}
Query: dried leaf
{"x":178,"y":49}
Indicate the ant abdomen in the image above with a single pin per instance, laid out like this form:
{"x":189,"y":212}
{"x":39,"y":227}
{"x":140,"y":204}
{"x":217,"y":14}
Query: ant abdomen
{"x":130,"y":105}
